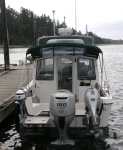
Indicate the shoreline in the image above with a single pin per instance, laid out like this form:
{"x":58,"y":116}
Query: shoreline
{"x":107,"y":44}
{"x":27,"y":46}
{"x":17,"y":46}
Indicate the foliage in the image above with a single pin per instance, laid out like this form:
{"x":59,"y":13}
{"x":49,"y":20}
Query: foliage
{"x":25,"y":27}
{"x":99,"y":40}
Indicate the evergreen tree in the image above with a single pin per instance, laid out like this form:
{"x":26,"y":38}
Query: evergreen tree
{"x":25,"y":27}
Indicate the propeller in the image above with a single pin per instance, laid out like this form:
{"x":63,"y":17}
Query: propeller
{"x":97,"y":133}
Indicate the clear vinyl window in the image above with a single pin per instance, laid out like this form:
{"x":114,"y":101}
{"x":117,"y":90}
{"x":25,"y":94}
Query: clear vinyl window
{"x":45,"y":69}
{"x":86,"y":69}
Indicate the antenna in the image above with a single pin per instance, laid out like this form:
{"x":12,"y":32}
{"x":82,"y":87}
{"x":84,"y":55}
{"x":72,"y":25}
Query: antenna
{"x":86,"y":29}
{"x":64,"y":20}
{"x":54,"y":22}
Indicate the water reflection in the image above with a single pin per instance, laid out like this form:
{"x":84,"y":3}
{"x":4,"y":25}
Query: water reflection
{"x":15,"y":137}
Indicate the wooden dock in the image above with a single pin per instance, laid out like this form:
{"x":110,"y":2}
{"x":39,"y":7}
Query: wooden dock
{"x":9,"y":82}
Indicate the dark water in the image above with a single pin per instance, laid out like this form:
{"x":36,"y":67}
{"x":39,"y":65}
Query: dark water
{"x":13,"y":138}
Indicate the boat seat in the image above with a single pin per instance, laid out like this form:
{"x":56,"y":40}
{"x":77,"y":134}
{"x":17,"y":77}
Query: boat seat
{"x":45,"y":107}
{"x":35,"y":108}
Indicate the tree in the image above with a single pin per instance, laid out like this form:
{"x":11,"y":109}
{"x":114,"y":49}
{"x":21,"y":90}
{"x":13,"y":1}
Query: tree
{"x":25,"y":27}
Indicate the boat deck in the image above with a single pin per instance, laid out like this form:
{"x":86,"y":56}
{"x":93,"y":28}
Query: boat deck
{"x":45,"y":120}
{"x":37,"y":120}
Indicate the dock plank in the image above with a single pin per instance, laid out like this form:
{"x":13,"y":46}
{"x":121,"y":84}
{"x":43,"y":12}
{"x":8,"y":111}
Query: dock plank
{"x":9,"y":83}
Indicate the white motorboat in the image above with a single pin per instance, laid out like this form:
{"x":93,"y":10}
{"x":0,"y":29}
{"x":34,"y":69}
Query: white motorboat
{"x":67,"y":88}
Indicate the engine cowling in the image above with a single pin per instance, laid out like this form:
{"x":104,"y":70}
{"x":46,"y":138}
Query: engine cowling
{"x":62,"y":112}
{"x":92,"y":103}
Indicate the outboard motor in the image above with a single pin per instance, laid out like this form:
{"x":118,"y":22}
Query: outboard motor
{"x":62,"y":112}
{"x":92,"y":100}
{"x":20,"y":97}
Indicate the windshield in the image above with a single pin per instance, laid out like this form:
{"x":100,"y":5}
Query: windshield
{"x":86,"y":69}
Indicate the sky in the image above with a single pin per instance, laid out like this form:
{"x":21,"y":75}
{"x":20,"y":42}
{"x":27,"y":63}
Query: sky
{"x":103,"y":17}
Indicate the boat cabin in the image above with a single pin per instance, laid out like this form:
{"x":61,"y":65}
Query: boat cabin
{"x":66,"y":88}
{"x":68,"y":64}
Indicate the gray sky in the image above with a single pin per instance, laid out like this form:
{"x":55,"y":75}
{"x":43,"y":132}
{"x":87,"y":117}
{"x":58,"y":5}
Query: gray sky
{"x":103,"y":17}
